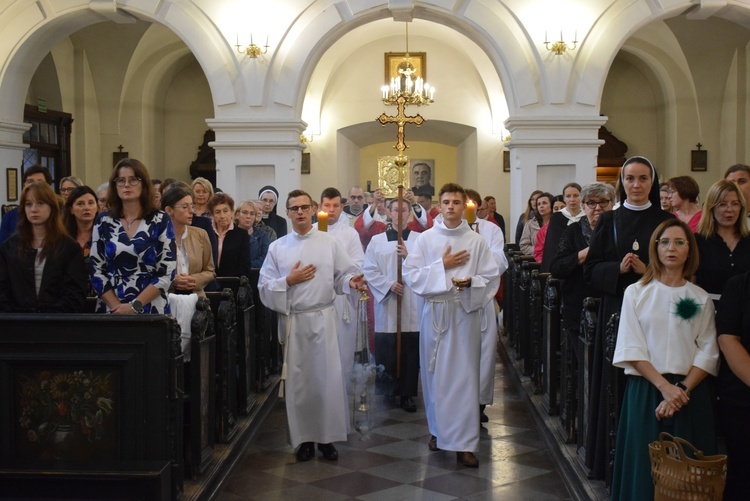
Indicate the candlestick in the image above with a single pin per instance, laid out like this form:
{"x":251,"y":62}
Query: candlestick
{"x":471,"y":212}
{"x":322,"y":221}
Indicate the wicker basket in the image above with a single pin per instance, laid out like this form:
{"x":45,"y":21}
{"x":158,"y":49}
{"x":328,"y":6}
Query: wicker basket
{"x":685,"y":477}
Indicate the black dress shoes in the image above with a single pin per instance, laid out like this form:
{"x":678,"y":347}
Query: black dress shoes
{"x":306,"y":451}
{"x":432,"y":444}
{"x":408,"y":404}
{"x":329,"y":452}
{"x":467,"y":459}
{"x":482,"y":416}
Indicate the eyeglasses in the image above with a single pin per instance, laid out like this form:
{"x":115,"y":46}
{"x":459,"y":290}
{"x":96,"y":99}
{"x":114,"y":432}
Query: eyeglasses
{"x":297,"y":208}
{"x":357,"y":197}
{"x":190,"y":207}
{"x":130,"y":181}
{"x":678,"y":242}
{"x":727,"y":205}
{"x":66,"y":190}
{"x":591,"y":204}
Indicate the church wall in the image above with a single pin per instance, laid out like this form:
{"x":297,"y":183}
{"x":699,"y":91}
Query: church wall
{"x":629,"y":102}
{"x":187,"y":104}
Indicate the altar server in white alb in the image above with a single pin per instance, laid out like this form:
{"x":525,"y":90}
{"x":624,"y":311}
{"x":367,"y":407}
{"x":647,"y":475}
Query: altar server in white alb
{"x":302,"y":274}
{"x":381,"y":273}
{"x":346,"y":305}
{"x":452,"y":268}
{"x":493,"y":235}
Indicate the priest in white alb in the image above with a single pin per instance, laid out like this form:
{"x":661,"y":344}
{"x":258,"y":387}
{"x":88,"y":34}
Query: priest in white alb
{"x":452,"y":268}
{"x":302,"y":274}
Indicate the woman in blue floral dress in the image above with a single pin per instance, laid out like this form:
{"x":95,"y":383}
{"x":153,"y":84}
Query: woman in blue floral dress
{"x":133,"y":246}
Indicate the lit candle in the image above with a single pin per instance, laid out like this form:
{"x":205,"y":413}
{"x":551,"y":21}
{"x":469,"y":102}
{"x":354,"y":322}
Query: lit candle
{"x":471,"y":212}
{"x":322,"y":221}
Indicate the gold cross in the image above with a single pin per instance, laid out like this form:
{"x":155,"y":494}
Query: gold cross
{"x":401,"y":120}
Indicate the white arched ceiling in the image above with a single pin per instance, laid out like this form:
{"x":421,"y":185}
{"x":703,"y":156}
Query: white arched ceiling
{"x":391,"y":36}
{"x":29,"y":30}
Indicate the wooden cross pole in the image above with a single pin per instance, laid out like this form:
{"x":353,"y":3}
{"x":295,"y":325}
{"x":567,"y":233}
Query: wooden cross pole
{"x":401,"y":120}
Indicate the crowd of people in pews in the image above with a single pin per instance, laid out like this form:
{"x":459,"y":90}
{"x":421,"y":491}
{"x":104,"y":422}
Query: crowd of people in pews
{"x":675,"y":270}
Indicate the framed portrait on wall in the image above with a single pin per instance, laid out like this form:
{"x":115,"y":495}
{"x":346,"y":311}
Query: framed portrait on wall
{"x":422,"y":176}
{"x":11,"y":178}
{"x":395,"y":61}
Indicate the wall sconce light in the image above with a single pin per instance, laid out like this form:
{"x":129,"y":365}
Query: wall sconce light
{"x":252,"y":50}
{"x":306,"y":138}
{"x":559,"y":47}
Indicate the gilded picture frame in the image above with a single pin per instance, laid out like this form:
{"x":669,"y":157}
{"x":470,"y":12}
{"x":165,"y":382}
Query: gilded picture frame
{"x":11,"y":178}
{"x":393,"y":59}
{"x":390,"y":176}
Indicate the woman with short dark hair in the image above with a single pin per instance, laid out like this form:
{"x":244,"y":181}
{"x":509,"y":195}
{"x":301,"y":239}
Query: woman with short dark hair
{"x":683,"y":195}
{"x":234,"y":243}
{"x":195,"y":263}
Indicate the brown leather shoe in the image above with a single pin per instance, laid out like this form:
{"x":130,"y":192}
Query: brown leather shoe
{"x":467,"y":459}
{"x":433,"y":444}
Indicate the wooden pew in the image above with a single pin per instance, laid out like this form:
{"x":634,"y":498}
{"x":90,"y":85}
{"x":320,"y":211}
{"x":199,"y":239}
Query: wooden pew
{"x":517,"y":307}
{"x":246,"y":358}
{"x":526,"y":316}
{"x":536,"y":292}
{"x":225,"y":329}
{"x":263,"y":337}
{"x":551,"y":346}
{"x":511,"y":250}
{"x":90,"y":403}
{"x":200,"y":392}
{"x":589,"y":319}
{"x":614,"y":381}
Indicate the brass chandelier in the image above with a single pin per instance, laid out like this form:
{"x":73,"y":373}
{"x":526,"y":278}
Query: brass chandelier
{"x":413,"y":89}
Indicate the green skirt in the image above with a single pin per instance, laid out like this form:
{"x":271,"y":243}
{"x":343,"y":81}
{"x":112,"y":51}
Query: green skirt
{"x":638,"y":427}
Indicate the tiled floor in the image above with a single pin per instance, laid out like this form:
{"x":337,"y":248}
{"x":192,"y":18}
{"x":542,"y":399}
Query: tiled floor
{"x":392,"y":461}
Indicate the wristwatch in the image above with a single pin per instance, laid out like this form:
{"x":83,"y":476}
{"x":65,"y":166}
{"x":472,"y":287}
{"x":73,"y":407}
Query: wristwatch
{"x":682,"y":386}
{"x":137,"y":306}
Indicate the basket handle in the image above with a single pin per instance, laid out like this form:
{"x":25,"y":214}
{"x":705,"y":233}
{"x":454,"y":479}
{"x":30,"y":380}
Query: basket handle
{"x":679,"y":443}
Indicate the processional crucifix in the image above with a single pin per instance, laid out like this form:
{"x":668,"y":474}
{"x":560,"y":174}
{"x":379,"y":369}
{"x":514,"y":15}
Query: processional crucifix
{"x":401,"y":120}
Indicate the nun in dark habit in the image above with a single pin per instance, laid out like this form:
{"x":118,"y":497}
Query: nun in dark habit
{"x":618,"y":255}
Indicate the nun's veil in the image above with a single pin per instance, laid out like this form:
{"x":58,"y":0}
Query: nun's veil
{"x":653,"y":195}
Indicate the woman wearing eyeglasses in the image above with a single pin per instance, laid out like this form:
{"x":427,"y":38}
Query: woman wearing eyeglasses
{"x":195,"y":263}
{"x":246,"y":214}
{"x":133,"y":249}
{"x":723,"y":239}
{"x":234,"y":243}
{"x":67,"y":185}
{"x":617,"y":257}
{"x":666,"y":343}
{"x":572,"y":250}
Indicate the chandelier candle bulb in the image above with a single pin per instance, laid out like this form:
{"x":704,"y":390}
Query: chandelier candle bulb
{"x":322,"y":221}
{"x":471,"y":212}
